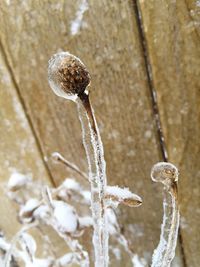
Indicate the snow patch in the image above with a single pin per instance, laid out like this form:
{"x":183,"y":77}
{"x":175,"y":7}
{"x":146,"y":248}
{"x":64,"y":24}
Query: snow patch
{"x":77,"y":23}
{"x":138,"y":262}
{"x":17,"y":180}
{"x":86,"y":221}
{"x":123,"y":195}
{"x":65,"y":217}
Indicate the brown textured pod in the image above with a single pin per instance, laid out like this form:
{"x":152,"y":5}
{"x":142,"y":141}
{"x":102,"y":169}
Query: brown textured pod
{"x":68,"y":76}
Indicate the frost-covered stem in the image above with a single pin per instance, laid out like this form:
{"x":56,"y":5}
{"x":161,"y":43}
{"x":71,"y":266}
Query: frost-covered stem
{"x":164,"y":253}
{"x":12,"y":251}
{"x":97,"y":176}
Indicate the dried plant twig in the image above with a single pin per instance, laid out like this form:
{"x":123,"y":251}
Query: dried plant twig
{"x":58,"y":157}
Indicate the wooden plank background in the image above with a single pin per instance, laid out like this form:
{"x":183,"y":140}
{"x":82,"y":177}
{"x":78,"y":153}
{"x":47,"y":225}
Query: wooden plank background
{"x":130,"y":48}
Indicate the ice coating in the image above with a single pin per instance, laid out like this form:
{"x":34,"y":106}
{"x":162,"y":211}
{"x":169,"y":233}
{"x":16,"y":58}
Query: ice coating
{"x":67,"y":75}
{"x":164,"y":172}
{"x":167,"y":174}
{"x":97,"y":177}
{"x":123,"y":195}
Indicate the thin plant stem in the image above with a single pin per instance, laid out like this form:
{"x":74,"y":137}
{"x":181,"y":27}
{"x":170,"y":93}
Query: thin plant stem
{"x":97,"y":176}
{"x":165,"y":252}
{"x":58,"y":157}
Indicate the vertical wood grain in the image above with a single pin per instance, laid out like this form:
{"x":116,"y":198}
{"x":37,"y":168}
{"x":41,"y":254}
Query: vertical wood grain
{"x":108,"y":43}
{"x":172,"y":37}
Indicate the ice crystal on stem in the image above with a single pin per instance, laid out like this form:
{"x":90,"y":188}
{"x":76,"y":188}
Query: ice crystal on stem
{"x":167,"y":174}
{"x":68,"y":77}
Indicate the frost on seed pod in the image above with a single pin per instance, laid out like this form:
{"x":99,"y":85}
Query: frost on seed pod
{"x":165,"y":173}
{"x":67,"y":75}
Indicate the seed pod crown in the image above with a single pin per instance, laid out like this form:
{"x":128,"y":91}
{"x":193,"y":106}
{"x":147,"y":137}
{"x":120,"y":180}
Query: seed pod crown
{"x":68,"y":76}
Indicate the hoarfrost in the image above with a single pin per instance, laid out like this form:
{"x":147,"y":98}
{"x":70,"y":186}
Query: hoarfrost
{"x":78,"y":21}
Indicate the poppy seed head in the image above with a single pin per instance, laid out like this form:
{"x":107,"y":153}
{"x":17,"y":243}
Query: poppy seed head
{"x":68,"y":76}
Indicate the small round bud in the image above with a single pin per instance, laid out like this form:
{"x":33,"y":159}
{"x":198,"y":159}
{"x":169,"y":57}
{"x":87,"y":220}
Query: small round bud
{"x":165,"y":173}
{"x":67,"y":75}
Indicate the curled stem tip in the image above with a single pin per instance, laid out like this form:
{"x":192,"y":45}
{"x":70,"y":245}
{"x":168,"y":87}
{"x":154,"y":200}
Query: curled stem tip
{"x":167,"y":174}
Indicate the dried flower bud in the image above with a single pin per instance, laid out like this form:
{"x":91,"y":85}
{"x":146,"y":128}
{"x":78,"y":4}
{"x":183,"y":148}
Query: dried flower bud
{"x":165,"y":173}
{"x":68,"y":76}
{"x":122,"y":195}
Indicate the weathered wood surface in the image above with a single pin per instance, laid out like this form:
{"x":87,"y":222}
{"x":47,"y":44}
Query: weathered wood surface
{"x":109,"y":44}
{"x":17,"y":145}
{"x":19,"y":153}
{"x":172,"y":38}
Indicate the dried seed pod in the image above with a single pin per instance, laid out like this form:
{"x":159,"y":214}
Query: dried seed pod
{"x":67,"y":75}
{"x":122,"y":195}
{"x":164,"y":172}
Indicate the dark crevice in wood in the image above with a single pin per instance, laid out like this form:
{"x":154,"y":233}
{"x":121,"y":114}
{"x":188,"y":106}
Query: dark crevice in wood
{"x":150,"y":82}
{"x":26,"y":113}
{"x":154,"y":101}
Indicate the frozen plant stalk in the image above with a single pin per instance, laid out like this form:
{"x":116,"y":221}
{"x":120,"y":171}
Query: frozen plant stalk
{"x":167,"y":174}
{"x":69,"y":78}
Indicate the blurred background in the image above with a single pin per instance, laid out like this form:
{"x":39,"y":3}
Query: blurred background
{"x":144,"y":60}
